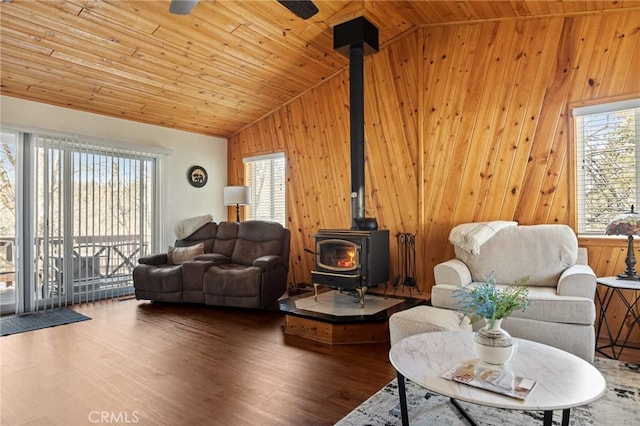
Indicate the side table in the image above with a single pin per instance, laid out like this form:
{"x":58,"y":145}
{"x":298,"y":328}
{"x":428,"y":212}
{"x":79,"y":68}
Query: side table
{"x":617,"y":339}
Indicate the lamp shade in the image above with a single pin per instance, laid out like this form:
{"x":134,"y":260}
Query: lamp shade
{"x":236,"y":195}
{"x":627,"y":224}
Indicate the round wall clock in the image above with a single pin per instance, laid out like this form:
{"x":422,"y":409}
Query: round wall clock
{"x":197,"y":176}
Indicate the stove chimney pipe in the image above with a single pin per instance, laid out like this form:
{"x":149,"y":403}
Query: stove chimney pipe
{"x":355,"y":39}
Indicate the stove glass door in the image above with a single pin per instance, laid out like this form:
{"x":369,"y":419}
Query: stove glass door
{"x":337,"y":255}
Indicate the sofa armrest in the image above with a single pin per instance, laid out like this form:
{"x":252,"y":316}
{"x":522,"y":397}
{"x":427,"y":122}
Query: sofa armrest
{"x":579,"y":281}
{"x":583,"y":256}
{"x":453,"y":272}
{"x":154,"y":259}
{"x":216,"y":258}
{"x":269,"y":262}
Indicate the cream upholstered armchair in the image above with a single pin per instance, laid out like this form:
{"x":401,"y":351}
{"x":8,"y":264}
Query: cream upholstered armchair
{"x":561,"y":284}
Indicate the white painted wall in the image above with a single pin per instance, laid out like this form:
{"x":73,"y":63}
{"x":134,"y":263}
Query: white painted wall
{"x":179,"y":199}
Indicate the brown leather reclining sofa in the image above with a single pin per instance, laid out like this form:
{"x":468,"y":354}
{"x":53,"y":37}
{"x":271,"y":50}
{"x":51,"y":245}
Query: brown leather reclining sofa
{"x":236,"y":264}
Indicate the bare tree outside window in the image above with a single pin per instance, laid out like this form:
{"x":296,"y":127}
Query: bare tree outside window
{"x":608,"y":168}
{"x":266,"y":179}
{"x":8,"y":157}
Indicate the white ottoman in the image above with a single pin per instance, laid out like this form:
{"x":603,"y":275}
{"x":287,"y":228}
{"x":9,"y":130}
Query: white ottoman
{"x":425,"y":319}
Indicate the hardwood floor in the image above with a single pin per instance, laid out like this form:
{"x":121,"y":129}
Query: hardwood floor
{"x":141,"y":363}
{"x":181,"y":365}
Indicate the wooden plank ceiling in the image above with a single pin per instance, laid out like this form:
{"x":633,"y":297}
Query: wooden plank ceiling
{"x":214,"y":71}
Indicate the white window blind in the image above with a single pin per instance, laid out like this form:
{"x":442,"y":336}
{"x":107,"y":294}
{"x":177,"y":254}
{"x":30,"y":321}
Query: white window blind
{"x":93,"y":214}
{"x":608,"y":155}
{"x":265,"y":175}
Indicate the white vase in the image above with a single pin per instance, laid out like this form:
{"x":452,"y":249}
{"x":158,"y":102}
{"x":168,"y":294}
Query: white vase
{"x":493,"y":345}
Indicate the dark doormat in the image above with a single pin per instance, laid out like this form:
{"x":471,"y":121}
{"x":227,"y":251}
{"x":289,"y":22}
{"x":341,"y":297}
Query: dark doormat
{"x":28,"y":322}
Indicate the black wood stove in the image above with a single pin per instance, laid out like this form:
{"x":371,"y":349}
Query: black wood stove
{"x":357,"y":258}
{"x":351,"y":260}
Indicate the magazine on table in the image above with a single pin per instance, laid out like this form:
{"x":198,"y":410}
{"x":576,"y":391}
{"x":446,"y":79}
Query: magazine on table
{"x":474,"y":373}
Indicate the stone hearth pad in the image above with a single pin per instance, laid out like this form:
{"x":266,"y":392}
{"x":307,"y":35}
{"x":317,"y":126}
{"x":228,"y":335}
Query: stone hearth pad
{"x":345,"y":304}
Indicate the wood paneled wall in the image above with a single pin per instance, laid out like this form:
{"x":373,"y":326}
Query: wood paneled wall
{"x":465,"y":122}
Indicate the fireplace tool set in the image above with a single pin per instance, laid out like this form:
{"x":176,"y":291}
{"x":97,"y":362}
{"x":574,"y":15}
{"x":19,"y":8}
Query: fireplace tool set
{"x":406,"y":276}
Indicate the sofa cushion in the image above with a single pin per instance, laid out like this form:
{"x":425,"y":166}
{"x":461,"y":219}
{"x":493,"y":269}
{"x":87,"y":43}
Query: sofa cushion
{"x":226,"y":238}
{"x":518,"y":251}
{"x":256,"y":239}
{"x":158,"y":280}
{"x":232,"y":280}
{"x":546,"y":305}
{"x":179,"y":255}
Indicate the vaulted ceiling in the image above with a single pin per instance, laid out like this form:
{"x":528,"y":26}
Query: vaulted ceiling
{"x":214,"y":71}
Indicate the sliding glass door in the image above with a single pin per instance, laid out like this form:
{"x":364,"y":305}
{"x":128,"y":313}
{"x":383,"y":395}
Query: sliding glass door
{"x":86,"y":217}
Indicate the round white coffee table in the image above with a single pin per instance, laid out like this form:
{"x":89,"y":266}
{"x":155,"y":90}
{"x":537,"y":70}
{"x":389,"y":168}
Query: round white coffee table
{"x":563,"y":380}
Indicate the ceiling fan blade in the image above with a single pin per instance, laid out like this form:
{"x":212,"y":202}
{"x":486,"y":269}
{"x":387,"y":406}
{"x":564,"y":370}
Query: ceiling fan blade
{"x":304,"y":9}
{"x":182,"y":7}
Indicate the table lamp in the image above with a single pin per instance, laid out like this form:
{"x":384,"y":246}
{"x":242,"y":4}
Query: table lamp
{"x":629,"y":225}
{"x":236,"y":196}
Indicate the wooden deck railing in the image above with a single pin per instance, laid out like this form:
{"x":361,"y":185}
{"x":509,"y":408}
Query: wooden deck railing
{"x":107,"y":258}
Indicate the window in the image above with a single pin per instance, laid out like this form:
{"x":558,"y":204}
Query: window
{"x":265,"y":175}
{"x":88,"y":208}
{"x":608,"y":155}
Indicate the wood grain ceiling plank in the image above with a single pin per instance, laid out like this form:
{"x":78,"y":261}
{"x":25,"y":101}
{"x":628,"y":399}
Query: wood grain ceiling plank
{"x":183,"y":101}
{"x":244,"y":80}
{"x":178,"y":107}
{"x":530,"y":8}
{"x":62,"y":6}
{"x":314,"y":46}
{"x":349,"y":10}
{"x":473,"y":11}
{"x":390,"y":20}
{"x":206,"y":86}
{"x":453,"y":11}
{"x":19,"y":40}
{"x":48,"y":64}
{"x":301,"y":58}
{"x":556,"y":7}
{"x":128,"y":14}
{"x":314,"y":36}
{"x":244,"y":34}
{"x":52,"y":25}
{"x":203,"y":119}
{"x":502,"y":9}
{"x":47,"y":95}
{"x":80,"y":96}
{"x":127,"y":72}
{"x":103,"y":76}
{"x":421,"y":14}
{"x":44,"y":78}
{"x":153,"y":66}
{"x":73,"y":75}
{"x":166,"y":55}
{"x":63,"y":43}
{"x":201,"y":38}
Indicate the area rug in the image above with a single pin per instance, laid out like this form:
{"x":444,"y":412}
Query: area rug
{"x":28,"y":322}
{"x":334,"y":302}
{"x":619,"y":406}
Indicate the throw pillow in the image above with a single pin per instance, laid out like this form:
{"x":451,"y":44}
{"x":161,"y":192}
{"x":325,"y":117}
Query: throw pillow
{"x":179,"y":255}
